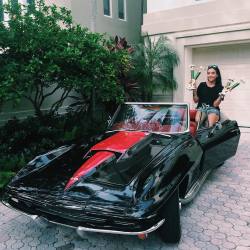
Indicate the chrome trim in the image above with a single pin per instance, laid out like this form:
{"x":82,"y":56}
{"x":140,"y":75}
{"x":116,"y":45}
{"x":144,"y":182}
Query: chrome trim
{"x":151,"y":229}
{"x":32,"y":216}
{"x":114,"y":116}
{"x":159,"y":103}
{"x":146,"y":131}
{"x":170,"y":103}
{"x":58,"y":223}
{"x":195,"y":188}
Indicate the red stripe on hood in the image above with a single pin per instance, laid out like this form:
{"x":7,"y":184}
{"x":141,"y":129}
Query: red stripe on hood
{"x":120,"y":142}
{"x":91,"y":163}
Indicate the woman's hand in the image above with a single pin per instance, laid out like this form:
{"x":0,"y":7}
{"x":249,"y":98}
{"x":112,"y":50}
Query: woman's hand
{"x":191,"y":84}
{"x":219,"y":99}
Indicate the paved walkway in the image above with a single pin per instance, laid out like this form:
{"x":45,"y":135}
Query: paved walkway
{"x":218,"y":218}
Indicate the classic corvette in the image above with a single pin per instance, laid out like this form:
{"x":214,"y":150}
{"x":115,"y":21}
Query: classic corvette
{"x":132,"y":179}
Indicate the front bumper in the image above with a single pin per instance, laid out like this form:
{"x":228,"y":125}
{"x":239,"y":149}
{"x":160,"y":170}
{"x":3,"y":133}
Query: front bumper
{"x":123,"y":226}
{"x":149,"y":230}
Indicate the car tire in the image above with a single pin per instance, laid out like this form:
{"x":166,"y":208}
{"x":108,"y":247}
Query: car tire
{"x":170,"y":231}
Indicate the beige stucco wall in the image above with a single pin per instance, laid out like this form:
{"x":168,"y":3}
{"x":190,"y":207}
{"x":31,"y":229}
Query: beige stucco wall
{"x":159,"y":5}
{"x":130,"y":28}
{"x":61,"y":3}
{"x":212,"y":23}
{"x":82,"y":12}
{"x":212,"y":14}
{"x":89,"y":13}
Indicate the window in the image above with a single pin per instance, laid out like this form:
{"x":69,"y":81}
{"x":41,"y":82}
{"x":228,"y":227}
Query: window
{"x":107,"y":7}
{"x":121,"y":9}
{"x":1,"y":10}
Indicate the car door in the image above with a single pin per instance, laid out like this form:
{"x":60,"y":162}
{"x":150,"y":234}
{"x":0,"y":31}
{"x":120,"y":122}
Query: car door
{"x":219,"y":143}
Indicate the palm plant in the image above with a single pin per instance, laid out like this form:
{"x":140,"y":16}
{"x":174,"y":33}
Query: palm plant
{"x":154,"y":62}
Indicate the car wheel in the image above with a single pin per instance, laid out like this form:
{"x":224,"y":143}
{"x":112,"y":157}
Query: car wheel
{"x":170,"y":231}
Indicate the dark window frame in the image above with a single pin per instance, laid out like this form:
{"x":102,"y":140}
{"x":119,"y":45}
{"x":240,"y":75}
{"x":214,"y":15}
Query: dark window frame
{"x":107,"y":10}
{"x":122,"y":15}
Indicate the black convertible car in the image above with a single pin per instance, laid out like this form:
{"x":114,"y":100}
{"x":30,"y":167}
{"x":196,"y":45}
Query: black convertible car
{"x":130,"y":180}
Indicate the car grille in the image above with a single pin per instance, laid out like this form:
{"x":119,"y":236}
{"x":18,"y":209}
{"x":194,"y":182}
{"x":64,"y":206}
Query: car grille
{"x":76,"y":218}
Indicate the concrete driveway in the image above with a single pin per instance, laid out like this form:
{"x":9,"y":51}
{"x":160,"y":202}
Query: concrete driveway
{"x":218,"y":218}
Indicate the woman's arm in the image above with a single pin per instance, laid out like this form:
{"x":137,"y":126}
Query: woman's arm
{"x":220,"y":98}
{"x":195,"y":96}
{"x":218,"y":101}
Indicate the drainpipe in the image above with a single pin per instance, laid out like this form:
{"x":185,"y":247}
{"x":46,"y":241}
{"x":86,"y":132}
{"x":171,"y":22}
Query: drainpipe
{"x":143,"y":8}
{"x":93,"y":15}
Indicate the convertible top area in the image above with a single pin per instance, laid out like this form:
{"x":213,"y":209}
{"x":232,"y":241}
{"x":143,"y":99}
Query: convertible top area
{"x":165,"y":118}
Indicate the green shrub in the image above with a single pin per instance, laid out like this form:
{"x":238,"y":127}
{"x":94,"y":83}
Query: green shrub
{"x":5,"y":177}
{"x":21,"y":141}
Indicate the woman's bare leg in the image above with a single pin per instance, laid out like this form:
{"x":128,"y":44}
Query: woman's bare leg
{"x":212,"y":119}
{"x":200,"y":117}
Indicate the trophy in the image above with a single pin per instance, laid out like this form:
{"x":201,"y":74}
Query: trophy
{"x":194,"y":76}
{"x":230,"y":85}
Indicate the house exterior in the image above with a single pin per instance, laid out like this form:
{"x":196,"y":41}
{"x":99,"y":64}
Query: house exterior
{"x":112,"y":17}
{"x":207,"y":32}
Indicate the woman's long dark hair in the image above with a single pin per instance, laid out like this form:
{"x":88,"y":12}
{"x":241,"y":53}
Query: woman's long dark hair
{"x":218,"y":79}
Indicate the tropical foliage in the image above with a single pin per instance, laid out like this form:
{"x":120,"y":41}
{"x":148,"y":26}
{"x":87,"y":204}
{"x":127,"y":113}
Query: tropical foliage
{"x":43,"y":52}
{"x":22,"y":140}
{"x":154,"y":62}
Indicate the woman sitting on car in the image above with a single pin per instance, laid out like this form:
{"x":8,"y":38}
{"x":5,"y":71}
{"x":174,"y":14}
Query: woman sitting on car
{"x":208,"y":96}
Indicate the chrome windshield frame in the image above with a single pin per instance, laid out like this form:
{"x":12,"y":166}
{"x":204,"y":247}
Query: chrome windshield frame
{"x":153,"y":103}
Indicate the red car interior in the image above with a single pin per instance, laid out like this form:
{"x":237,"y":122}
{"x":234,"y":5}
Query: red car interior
{"x":193,"y":125}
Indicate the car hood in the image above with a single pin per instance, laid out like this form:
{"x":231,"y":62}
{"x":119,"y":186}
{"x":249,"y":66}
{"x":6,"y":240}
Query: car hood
{"x":113,"y":161}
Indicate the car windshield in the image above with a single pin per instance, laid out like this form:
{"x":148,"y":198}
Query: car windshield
{"x":151,"y":117}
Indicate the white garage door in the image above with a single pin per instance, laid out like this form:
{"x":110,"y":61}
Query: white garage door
{"x":234,"y":62}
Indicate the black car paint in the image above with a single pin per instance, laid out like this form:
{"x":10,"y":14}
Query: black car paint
{"x":219,"y":145}
{"x":172,"y":162}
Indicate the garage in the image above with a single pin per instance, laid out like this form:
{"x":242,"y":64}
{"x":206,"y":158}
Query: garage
{"x":234,"y":62}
